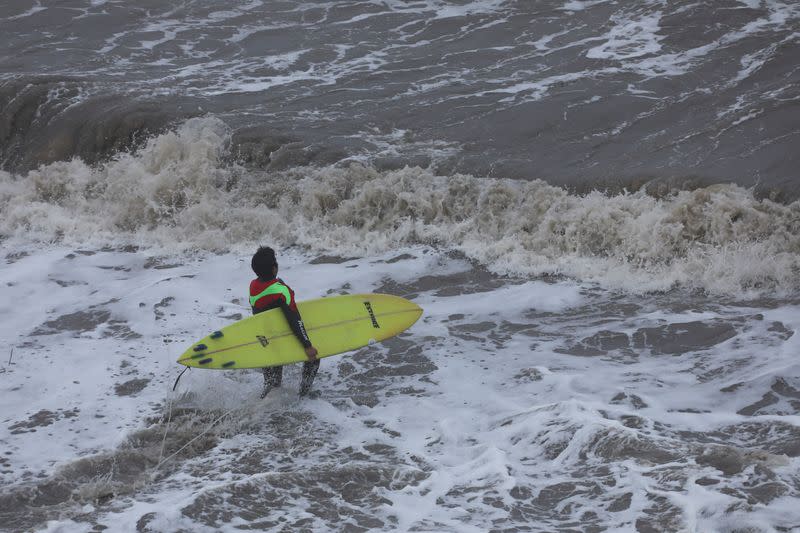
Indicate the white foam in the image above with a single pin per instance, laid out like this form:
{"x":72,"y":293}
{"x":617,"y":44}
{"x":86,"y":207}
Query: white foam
{"x":512,"y":301}
{"x":443,"y":10}
{"x":488,"y":416}
{"x":176,"y":195}
{"x":580,"y":5}
{"x":629,"y":38}
{"x":32,"y":11}
{"x":779,"y":16}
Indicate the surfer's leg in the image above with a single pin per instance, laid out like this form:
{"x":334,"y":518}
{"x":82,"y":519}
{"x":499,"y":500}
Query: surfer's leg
{"x":309,"y":373}
{"x":273,"y":376}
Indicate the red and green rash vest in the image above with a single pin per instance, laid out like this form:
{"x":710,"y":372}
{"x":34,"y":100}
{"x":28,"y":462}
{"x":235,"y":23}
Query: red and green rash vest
{"x":273,"y":293}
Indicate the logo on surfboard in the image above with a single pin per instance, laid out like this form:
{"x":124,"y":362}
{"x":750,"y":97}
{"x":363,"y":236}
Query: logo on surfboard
{"x":371,"y":315}
{"x":263,"y":340}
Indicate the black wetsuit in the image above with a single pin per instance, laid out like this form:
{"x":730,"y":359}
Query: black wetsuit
{"x":271,"y":294}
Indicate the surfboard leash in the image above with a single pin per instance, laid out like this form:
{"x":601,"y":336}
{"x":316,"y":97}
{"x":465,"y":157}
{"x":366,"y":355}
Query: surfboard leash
{"x":179,"y":378}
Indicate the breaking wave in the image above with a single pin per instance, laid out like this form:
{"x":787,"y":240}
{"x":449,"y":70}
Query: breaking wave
{"x":180,"y":193}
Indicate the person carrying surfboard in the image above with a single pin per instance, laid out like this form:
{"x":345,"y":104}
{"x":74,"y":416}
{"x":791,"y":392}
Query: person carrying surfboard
{"x":267,"y":292}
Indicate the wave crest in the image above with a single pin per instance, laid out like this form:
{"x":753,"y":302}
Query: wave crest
{"x":177,"y":194}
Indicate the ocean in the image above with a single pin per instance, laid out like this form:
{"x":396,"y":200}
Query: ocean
{"x":596,"y":203}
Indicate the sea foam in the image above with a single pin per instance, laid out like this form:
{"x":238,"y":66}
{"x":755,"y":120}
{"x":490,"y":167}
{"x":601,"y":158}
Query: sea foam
{"x":178,"y":193}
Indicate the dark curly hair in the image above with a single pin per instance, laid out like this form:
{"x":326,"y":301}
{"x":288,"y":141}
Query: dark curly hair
{"x":263,"y":262}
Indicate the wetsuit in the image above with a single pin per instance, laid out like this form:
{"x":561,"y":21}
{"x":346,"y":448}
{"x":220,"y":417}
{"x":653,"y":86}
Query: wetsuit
{"x":270,"y":294}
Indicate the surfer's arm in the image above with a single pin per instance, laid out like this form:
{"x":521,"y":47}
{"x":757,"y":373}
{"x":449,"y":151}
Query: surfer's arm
{"x":296,"y":323}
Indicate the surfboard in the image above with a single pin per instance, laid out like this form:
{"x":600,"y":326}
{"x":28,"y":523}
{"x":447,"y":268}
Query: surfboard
{"x":335,"y":325}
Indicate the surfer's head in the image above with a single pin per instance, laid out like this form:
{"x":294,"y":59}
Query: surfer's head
{"x":264,"y":263}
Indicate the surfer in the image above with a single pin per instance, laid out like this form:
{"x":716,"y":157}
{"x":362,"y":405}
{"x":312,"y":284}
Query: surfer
{"x":267,"y":292}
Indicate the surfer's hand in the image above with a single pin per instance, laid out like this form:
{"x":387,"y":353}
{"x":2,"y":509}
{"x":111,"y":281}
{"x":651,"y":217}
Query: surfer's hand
{"x":311,"y":352}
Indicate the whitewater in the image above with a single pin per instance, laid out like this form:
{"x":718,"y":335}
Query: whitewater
{"x":595,"y":204}
{"x":585,"y":362}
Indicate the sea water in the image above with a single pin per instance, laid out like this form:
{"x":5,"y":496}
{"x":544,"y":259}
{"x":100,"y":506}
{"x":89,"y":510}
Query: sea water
{"x":591,"y":201}
{"x":583,"y":362}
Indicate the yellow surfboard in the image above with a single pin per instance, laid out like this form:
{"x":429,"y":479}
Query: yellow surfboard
{"x":335,"y":325}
